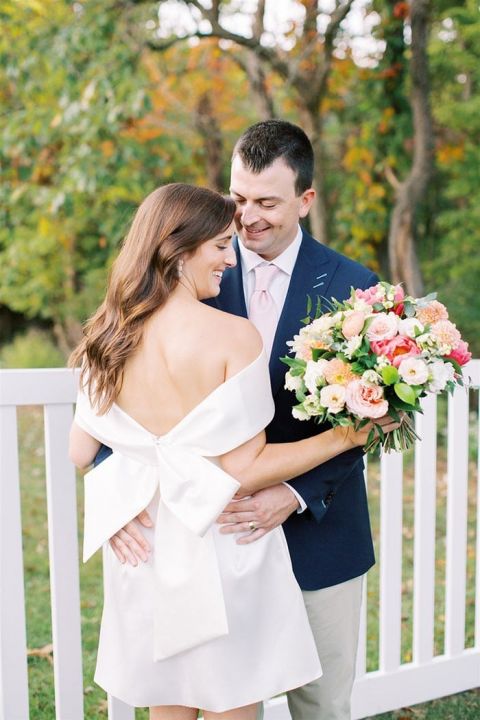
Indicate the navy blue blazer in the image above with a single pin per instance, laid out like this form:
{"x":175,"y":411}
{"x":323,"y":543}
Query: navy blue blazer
{"x":331,"y":541}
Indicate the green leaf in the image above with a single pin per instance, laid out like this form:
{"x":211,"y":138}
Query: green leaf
{"x":389,"y":375}
{"x":409,"y":309}
{"x":293,"y":362}
{"x":405,"y":393}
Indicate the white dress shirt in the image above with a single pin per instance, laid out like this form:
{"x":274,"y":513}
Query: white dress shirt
{"x":278,"y":289}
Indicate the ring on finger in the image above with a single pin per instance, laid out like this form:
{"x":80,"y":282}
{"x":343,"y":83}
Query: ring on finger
{"x":252,"y":525}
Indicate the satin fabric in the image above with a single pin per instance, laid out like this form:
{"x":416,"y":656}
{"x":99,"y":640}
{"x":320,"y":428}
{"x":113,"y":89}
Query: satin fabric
{"x":184,"y":627}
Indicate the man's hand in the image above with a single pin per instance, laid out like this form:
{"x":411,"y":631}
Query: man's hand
{"x":128,"y":544}
{"x":258,"y":514}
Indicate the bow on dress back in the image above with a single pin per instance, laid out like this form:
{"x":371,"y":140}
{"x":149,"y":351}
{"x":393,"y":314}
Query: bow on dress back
{"x":193,"y":490}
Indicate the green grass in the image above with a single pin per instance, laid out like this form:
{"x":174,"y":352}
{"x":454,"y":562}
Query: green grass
{"x":34,"y":517}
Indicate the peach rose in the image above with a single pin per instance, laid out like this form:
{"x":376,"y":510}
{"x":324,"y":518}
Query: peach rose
{"x":365,"y":400}
{"x":431,"y":313}
{"x":446,"y":334}
{"x":461,"y":354}
{"x":336,"y":372}
{"x":353,"y":324}
{"x":397,"y":349}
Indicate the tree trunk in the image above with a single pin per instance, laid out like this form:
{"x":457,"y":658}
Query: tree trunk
{"x":404,"y":266}
{"x":312,"y":124}
{"x":208,"y":128}
{"x":261,"y":95}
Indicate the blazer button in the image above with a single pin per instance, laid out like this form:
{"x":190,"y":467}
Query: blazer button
{"x":329,"y":497}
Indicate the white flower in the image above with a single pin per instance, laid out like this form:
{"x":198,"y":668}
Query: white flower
{"x":314,"y":374}
{"x":382,"y":361}
{"x":300,"y":414}
{"x":384,"y":326}
{"x":292,"y":382}
{"x":362,"y":305}
{"x":352,"y":345}
{"x":370,"y":376}
{"x":440,"y":373}
{"x":426,"y":341}
{"x":413,"y":371}
{"x":323,"y":323}
{"x":408,"y":326}
{"x":302,"y":343}
{"x":333,"y":398}
{"x":312,"y":405}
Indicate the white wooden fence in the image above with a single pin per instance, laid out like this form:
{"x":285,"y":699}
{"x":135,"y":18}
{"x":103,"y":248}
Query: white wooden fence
{"x":393,"y":685}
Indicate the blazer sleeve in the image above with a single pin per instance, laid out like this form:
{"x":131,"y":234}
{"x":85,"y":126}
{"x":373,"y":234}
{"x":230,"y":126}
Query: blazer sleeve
{"x":317,"y":488}
{"x":103,"y":453}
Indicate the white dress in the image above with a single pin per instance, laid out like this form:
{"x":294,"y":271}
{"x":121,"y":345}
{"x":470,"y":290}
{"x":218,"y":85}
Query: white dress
{"x":205,"y":622}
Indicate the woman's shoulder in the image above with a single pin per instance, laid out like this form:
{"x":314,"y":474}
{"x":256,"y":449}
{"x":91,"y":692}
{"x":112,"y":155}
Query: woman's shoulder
{"x":236,"y":337}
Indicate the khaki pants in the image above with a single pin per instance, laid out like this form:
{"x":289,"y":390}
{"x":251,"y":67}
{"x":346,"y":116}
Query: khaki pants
{"x":334,"y":615}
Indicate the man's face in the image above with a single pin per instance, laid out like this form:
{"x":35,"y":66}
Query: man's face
{"x":268,"y":210}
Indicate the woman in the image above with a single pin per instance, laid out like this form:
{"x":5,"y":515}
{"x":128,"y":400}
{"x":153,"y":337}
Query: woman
{"x":181,"y":393}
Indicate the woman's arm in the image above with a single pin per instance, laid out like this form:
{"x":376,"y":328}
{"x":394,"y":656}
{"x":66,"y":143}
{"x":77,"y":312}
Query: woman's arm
{"x":82,"y":447}
{"x":258,"y":465}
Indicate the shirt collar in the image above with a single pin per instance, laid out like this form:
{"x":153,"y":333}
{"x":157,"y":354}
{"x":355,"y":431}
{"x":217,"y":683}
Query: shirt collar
{"x":285,"y":261}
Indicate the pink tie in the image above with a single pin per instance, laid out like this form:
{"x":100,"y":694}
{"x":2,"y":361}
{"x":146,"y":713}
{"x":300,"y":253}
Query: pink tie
{"x":263,"y":311}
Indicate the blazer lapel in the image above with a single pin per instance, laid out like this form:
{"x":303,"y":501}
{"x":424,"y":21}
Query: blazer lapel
{"x":312,"y":276}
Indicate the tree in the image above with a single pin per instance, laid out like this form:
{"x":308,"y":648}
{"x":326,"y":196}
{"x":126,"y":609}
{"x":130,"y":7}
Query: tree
{"x":305,"y":68}
{"x":410,"y":192}
{"x":73,"y":85}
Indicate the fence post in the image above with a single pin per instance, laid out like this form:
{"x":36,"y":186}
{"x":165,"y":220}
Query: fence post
{"x":13,"y":638}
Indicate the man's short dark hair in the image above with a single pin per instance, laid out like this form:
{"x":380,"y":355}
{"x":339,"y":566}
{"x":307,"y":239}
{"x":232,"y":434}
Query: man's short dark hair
{"x":266,"y":141}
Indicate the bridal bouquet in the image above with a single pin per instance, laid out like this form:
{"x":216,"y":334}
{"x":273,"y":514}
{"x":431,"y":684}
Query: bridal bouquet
{"x":378,"y":352}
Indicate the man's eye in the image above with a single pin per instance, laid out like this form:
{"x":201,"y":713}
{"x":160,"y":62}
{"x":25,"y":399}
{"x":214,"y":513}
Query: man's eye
{"x":222,"y":247}
{"x":267,"y":206}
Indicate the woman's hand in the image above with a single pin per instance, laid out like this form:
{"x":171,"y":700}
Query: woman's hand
{"x":358,"y":438}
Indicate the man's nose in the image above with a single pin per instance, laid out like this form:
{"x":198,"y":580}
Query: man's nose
{"x":249,"y":214}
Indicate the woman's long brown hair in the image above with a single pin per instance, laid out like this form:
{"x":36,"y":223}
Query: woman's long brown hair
{"x":173,"y":220}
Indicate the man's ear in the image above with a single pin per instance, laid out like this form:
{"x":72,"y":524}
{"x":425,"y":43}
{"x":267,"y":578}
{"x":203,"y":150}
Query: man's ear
{"x":307,"y":199}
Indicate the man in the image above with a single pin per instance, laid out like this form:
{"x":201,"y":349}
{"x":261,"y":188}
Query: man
{"x":324,"y":512}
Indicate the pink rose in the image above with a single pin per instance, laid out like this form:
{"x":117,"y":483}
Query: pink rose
{"x":384,"y":326}
{"x":371,"y":295}
{"x":461,"y":354}
{"x":353,"y":324}
{"x":365,"y":400}
{"x":397,"y":349}
{"x":398,"y":300}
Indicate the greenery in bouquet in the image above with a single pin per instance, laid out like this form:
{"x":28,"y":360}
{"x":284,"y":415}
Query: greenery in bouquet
{"x":377,"y":353}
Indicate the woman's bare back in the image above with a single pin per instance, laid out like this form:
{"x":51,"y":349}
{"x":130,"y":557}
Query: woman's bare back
{"x":187,"y":350}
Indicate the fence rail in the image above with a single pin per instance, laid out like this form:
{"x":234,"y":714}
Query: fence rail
{"x":393,"y":685}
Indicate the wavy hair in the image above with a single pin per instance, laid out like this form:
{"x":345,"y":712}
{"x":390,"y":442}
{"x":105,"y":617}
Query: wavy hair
{"x":172,"y":221}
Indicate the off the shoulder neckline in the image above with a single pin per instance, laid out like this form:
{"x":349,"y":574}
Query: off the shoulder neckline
{"x":194,"y":409}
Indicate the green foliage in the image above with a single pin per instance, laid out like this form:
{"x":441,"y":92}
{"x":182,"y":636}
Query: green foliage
{"x":451,"y":257}
{"x":94,"y":120}
{"x":73,"y":168}
{"x":34,"y":349}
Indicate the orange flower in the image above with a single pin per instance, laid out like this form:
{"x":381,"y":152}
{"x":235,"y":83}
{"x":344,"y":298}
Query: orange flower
{"x":338,"y":373}
{"x":431,"y":313}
